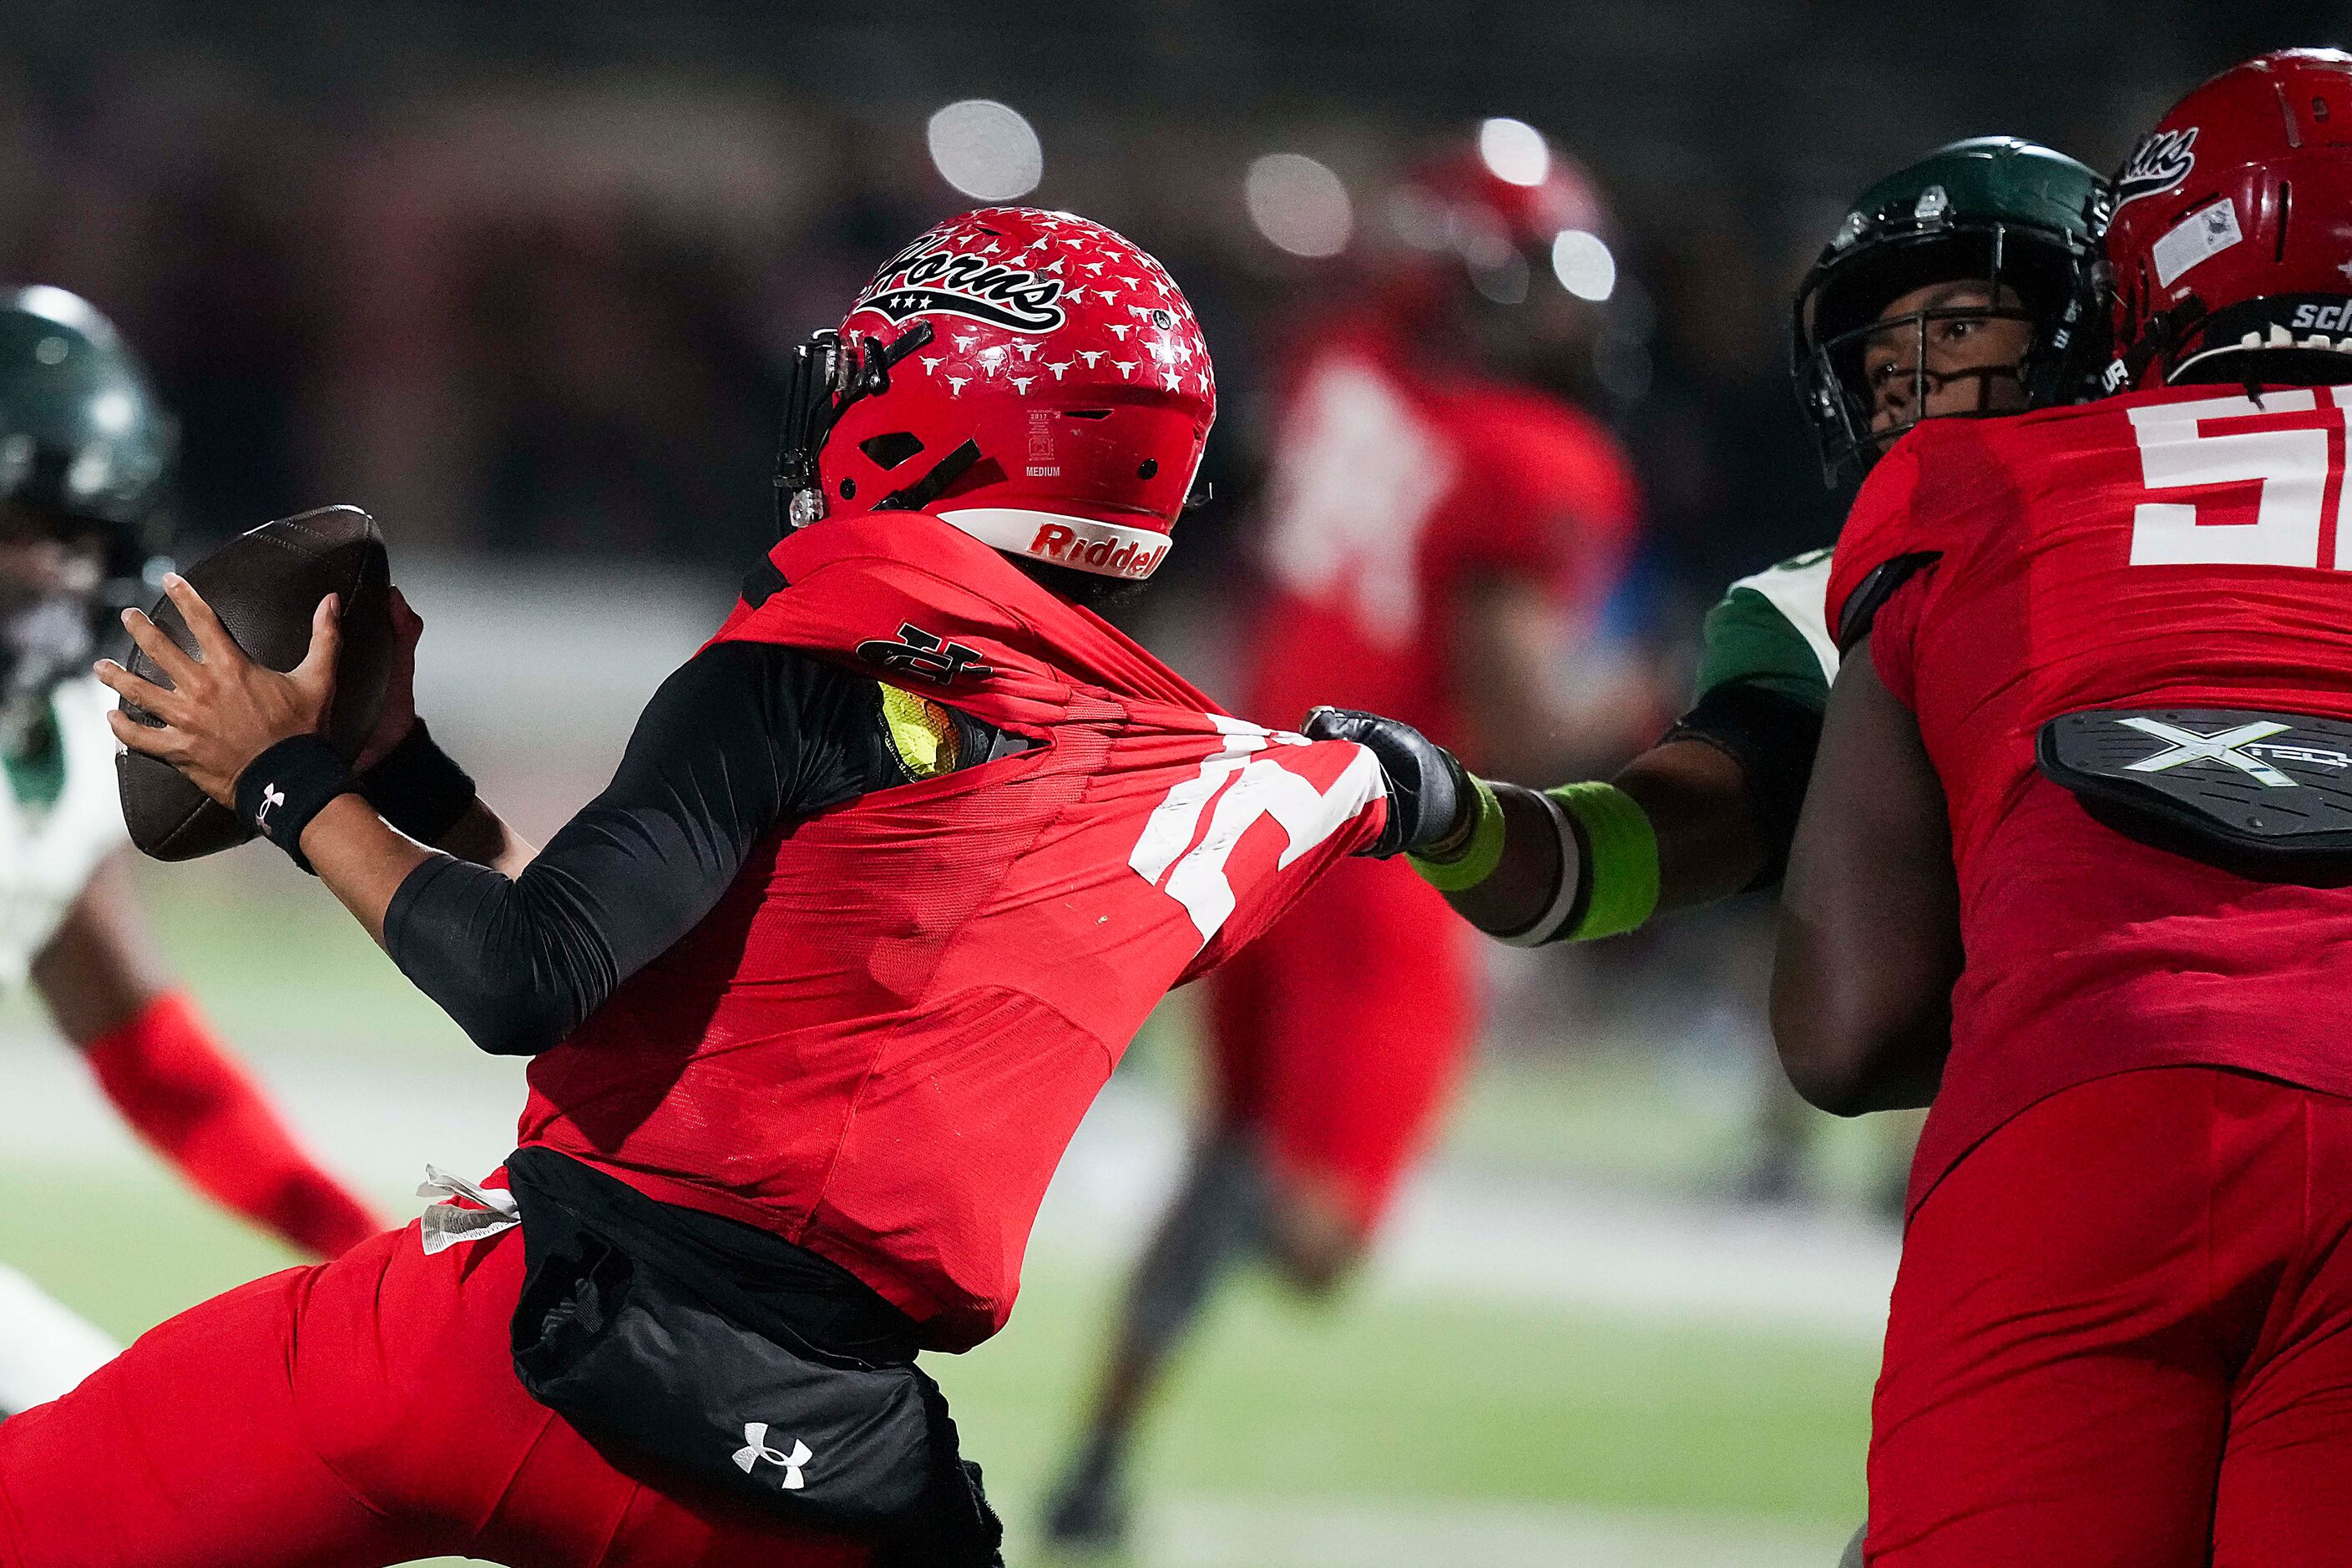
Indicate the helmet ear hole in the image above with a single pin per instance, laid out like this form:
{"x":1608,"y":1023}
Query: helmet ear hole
{"x":888,"y":450}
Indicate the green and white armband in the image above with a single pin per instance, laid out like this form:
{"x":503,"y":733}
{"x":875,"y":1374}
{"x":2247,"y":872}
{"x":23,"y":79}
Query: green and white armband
{"x":1606,"y":836}
{"x":1607,"y":856}
{"x":1561,"y":911}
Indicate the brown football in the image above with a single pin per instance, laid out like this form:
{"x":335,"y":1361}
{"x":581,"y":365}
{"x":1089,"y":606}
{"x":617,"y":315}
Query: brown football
{"x":265,"y":584}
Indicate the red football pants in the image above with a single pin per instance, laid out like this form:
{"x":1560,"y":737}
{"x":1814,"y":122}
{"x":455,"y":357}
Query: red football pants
{"x":1341,"y":1031}
{"x":358,"y":1412}
{"x":2122,"y":1334}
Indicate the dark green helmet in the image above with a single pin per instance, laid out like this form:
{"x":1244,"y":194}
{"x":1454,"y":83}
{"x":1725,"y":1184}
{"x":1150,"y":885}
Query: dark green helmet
{"x":2014,"y":214}
{"x":81,"y":433}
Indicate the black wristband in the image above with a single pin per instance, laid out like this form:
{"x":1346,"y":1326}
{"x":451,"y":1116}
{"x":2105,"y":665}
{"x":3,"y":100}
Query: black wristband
{"x":418,"y":787}
{"x":282,"y":789}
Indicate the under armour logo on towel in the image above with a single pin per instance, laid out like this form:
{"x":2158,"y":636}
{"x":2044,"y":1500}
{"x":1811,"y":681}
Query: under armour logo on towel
{"x":272,"y":797}
{"x":755,"y":1449}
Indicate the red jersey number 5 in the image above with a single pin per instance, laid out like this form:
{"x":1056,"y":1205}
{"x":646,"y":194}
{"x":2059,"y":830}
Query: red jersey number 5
{"x":2183,"y":446}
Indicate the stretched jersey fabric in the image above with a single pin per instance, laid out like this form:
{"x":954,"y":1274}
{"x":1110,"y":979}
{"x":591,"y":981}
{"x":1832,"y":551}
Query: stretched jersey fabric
{"x":879,"y":1041}
{"x":2182,"y":547}
{"x":1392,"y":489}
{"x":59,"y":816}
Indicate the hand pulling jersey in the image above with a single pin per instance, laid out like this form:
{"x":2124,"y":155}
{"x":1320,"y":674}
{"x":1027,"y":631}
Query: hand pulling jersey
{"x":59,"y":818}
{"x":880,"y":1040}
{"x":2185,"y":547}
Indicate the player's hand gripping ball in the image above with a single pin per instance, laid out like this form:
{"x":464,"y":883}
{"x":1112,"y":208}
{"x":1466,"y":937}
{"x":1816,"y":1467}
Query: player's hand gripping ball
{"x":285,"y":630}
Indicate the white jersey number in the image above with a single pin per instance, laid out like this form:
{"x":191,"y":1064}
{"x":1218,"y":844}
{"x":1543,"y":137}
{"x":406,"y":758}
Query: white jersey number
{"x":1244,"y":787}
{"x":2185,"y":445}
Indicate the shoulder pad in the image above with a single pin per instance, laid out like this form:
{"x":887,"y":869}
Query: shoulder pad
{"x":1876,"y":587}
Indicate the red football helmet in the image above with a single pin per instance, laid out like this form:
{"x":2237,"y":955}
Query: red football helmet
{"x":1030,"y":377}
{"x":2232,"y":242}
{"x":1497,"y":207}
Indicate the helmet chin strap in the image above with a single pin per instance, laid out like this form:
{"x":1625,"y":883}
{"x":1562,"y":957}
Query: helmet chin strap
{"x":2162,"y":338}
{"x":933,"y":484}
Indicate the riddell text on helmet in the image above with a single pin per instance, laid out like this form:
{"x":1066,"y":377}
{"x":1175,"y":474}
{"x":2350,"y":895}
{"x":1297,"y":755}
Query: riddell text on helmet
{"x":1070,"y":545}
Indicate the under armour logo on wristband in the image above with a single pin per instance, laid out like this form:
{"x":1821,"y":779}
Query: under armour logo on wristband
{"x":271,"y":798}
{"x":755,"y":1450}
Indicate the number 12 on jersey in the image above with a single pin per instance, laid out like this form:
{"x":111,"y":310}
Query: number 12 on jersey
{"x":2186,"y":445}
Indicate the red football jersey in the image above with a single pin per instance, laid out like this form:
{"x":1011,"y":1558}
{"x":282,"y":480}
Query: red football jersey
{"x":1393,"y":487}
{"x":881,"y":1040}
{"x":2182,"y":547}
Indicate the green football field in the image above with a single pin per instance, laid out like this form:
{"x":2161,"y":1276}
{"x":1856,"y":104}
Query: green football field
{"x":1418,"y":1420}
{"x":1544,"y":1425}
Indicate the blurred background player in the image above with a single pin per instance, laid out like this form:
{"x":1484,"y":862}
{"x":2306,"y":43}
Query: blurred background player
{"x":1443,"y":523}
{"x":85,"y":463}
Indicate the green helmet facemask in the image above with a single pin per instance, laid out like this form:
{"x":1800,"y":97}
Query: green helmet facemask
{"x":2017,"y":216}
{"x":86,"y":453}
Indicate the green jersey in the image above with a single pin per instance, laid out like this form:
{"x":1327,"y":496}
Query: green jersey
{"x":1771,"y":629}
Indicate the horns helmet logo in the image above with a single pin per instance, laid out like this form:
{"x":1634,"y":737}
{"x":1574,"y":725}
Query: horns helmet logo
{"x":2160,"y":162}
{"x":935,"y":274}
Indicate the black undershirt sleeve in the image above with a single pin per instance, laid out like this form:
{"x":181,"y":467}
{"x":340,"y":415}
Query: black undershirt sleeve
{"x":1773,"y":737}
{"x":738,"y":738}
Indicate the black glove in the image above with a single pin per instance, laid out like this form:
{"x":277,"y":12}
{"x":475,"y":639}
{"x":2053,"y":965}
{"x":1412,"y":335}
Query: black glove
{"x":1428,"y":791}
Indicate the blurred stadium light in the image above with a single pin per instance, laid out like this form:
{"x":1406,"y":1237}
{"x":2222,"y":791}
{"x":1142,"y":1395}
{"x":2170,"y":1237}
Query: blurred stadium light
{"x":1515,"y":151}
{"x":986,"y":150}
{"x":1583,"y":265}
{"x":1299,"y":204}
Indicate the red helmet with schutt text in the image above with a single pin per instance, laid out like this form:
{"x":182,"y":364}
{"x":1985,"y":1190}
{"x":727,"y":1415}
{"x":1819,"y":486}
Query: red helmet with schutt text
{"x":2232,"y":243}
